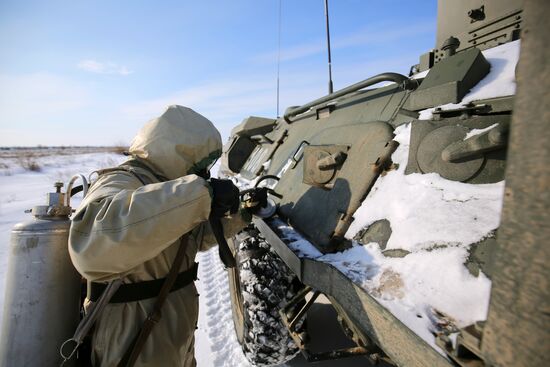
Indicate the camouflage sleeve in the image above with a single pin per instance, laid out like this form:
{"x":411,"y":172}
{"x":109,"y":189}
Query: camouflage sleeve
{"x":121,"y":223}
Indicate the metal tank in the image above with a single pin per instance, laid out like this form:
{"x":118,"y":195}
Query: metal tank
{"x":41,"y":307}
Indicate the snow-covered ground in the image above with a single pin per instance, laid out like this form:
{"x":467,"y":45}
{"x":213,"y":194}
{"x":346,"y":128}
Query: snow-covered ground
{"x":216,"y":342}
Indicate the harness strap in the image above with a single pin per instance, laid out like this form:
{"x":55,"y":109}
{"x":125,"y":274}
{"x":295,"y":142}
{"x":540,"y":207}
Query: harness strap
{"x":135,"y":348}
{"x":133,"y":292}
{"x":137,"y":163}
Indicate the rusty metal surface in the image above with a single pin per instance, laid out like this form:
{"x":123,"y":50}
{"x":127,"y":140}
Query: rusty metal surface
{"x":517,"y":332}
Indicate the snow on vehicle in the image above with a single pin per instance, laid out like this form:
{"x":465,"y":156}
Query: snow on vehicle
{"x":389,"y":201}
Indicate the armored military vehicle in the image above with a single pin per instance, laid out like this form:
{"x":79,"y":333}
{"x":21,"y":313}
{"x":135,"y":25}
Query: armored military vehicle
{"x":418,"y":204}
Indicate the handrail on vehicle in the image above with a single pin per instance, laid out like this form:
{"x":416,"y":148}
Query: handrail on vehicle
{"x":402,"y":80}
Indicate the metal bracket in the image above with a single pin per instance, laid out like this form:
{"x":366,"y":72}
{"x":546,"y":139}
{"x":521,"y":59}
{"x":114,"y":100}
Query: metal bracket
{"x":298,"y":153}
{"x":292,"y":319}
{"x":465,"y":111}
{"x":466,"y":350}
{"x":325,"y":111}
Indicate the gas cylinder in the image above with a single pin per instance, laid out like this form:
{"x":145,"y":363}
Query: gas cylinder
{"x":41,"y":307}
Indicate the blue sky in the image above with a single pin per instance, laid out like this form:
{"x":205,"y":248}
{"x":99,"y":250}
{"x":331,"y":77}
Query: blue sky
{"x":93,"y":72}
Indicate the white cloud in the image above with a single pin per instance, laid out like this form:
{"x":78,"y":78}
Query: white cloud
{"x":384,"y":34}
{"x":227,"y":102}
{"x":45,"y":108}
{"x":370,"y":35}
{"x":97,"y":67}
{"x":297,"y":52}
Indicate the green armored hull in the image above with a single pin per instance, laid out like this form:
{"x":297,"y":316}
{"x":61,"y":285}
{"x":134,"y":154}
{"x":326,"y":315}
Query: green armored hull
{"x":389,"y":201}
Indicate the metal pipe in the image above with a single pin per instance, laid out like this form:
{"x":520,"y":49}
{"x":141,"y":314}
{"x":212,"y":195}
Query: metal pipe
{"x":303,"y":311}
{"x":330,"y":87}
{"x":279,"y":57}
{"x":402,"y":80}
{"x":70,"y":346}
{"x":266,"y":177}
{"x":336,"y":354}
{"x":85,"y":187}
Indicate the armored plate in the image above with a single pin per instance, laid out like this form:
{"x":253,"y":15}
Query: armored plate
{"x":450,"y":80}
{"x":349,"y":185}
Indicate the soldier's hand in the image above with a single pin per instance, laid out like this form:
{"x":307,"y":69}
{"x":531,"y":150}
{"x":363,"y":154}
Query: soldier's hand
{"x":225,"y":197}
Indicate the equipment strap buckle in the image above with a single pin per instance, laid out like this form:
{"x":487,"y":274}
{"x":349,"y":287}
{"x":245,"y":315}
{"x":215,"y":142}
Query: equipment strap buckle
{"x":154,"y":317}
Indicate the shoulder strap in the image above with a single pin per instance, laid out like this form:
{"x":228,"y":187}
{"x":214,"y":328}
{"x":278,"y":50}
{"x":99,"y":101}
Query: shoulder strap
{"x":154,"y":317}
{"x":130,"y":167}
{"x":123,"y":168}
{"x":139,"y":164}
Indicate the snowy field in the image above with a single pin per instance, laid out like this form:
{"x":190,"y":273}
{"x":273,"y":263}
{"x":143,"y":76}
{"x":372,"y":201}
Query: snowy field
{"x":26,"y":177}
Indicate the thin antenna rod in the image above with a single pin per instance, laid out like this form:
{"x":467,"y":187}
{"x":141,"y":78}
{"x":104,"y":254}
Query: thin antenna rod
{"x":279,"y":58}
{"x":330,"y":88}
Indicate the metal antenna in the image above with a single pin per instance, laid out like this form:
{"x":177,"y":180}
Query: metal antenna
{"x":330,"y":88}
{"x":279,"y":58}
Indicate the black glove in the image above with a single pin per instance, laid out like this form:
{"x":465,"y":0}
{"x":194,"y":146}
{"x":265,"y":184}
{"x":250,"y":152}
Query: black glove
{"x":256,"y":199}
{"x":225,"y":197}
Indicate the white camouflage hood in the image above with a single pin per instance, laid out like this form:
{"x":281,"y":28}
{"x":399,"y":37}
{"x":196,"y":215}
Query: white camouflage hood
{"x":177,"y":143}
